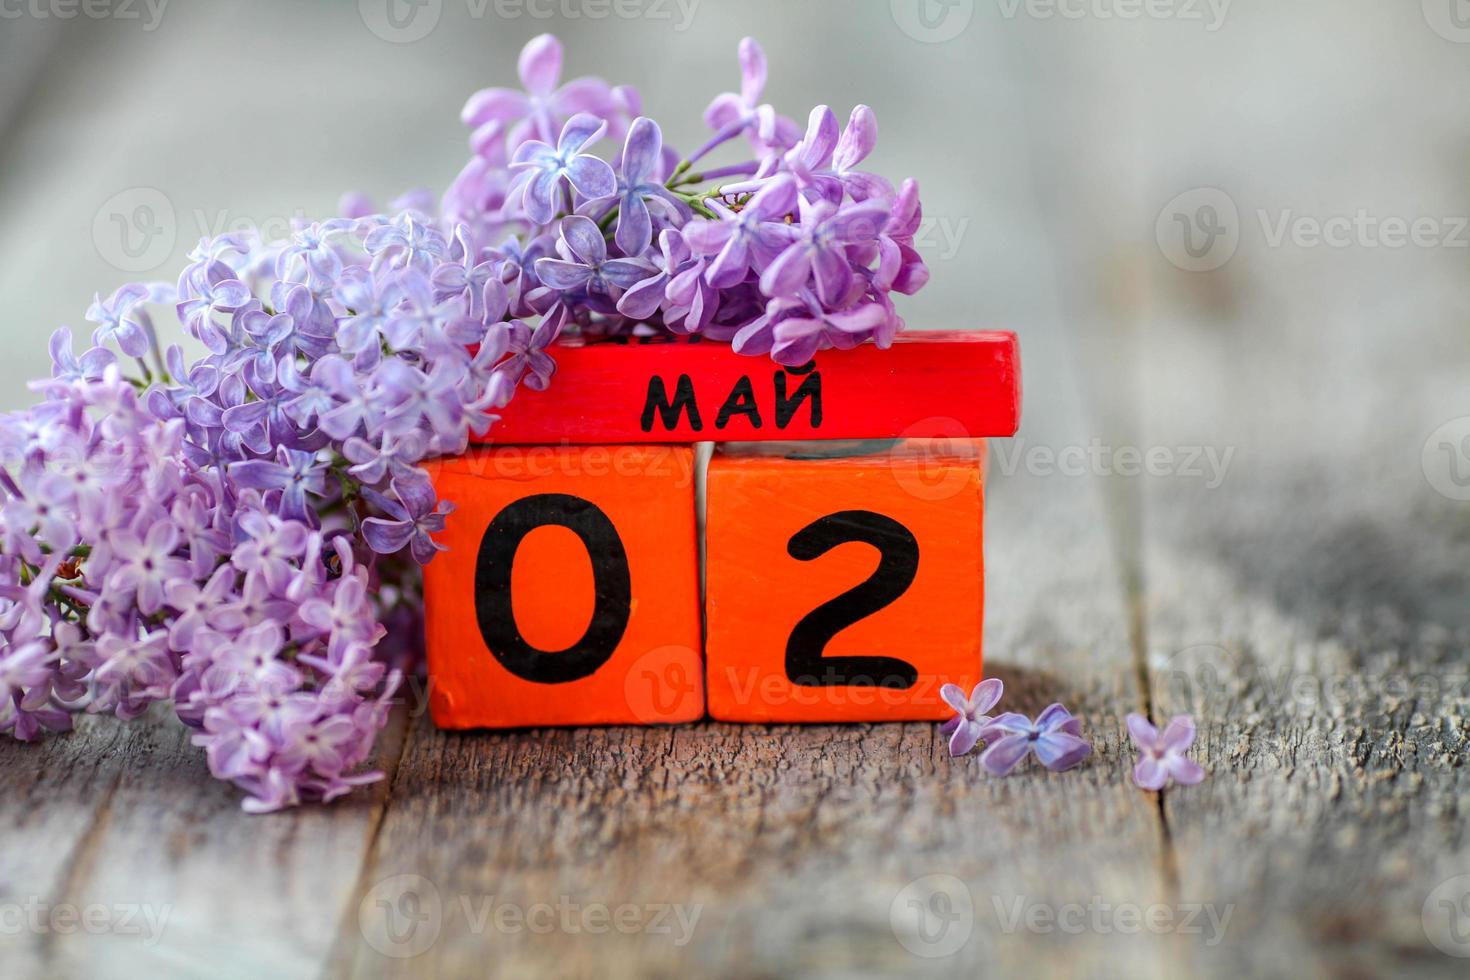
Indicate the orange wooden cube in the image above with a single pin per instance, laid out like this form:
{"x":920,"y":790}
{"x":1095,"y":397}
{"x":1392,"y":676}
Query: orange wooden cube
{"x":569,"y":594}
{"x":843,"y":582}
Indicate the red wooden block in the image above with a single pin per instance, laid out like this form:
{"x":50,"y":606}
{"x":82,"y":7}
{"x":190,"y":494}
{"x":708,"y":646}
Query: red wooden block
{"x":685,"y":389}
{"x":843,"y":582}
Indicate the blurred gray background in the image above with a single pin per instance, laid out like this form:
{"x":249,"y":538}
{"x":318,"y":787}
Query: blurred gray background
{"x":1047,"y":136}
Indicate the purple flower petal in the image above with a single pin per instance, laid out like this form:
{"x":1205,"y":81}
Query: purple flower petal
{"x":1186,"y":771}
{"x":859,"y":222}
{"x":584,"y":239}
{"x":1150,"y":773}
{"x":591,"y":177}
{"x":386,"y":537}
{"x":625,"y":273}
{"x":964,"y":738}
{"x":752,"y":70}
{"x":705,"y":237}
{"x":954,"y":696}
{"x":539,"y":65}
{"x":493,"y":105}
{"x":635,"y":228}
{"x":821,"y":135}
{"x":643,"y":299}
{"x":1178,"y":734}
{"x":1143,"y":733}
{"x":857,"y":140}
{"x":1002,"y":755}
{"x":1055,"y":717}
{"x":417,"y":495}
{"x":788,"y":273}
{"x":540,"y":196}
{"x":562,"y":275}
{"x":641,"y":150}
{"x":1059,"y":751}
{"x":580,"y":130}
{"x":986,"y":695}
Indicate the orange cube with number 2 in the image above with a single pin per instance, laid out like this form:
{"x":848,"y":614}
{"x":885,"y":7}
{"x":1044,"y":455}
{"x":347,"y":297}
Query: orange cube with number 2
{"x":844,"y":582}
{"x":569,"y":594}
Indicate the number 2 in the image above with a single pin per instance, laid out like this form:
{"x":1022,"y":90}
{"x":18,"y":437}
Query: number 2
{"x":898,"y":563}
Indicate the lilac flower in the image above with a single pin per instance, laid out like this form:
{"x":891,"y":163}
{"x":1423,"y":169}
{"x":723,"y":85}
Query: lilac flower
{"x":743,"y":112}
{"x":543,"y":168}
{"x":176,"y":536}
{"x":144,"y":567}
{"x":311,"y":251}
{"x":428,"y":403}
{"x":1161,"y":755}
{"x":205,"y":289}
{"x":270,"y":545}
{"x":415,"y":518}
{"x":829,"y":164}
{"x":971,"y":719}
{"x":294,"y":473}
{"x":197,"y":381}
{"x":478,"y":283}
{"x":640,"y":185}
{"x":66,"y":366}
{"x":369,"y":311}
{"x":1055,"y":737}
{"x":900,"y":267}
{"x":131,"y":672}
{"x":405,"y":243}
{"x":585,"y":264}
{"x":123,"y":317}
{"x":819,"y":251}
{"x":800,"y":328}
{"x":744,"y":239}
{"x":538,"y":112}
{"x":340,"y":618}
{"x":353,"y":407}
{"x":644,"y":297}
{"x":517,"y":269}
{"x":391,"y":457}
{"x":193,"y":605}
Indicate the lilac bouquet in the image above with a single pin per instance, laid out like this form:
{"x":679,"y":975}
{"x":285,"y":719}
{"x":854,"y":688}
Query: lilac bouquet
{"x":240,"y":534}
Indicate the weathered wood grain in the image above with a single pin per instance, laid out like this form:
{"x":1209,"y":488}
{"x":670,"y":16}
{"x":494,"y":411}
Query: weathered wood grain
{"x":125,"y":818}
{"x":1311,"y":615}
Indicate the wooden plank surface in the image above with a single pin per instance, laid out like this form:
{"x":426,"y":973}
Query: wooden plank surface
{"x":1311,"y":612}
{"x":123,"y":822}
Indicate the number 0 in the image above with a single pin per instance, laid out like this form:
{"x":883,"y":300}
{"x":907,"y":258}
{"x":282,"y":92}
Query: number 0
{"x":495,"y":607}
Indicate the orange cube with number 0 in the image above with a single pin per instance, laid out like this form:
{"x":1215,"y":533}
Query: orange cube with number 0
{"x":569,"y":594}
